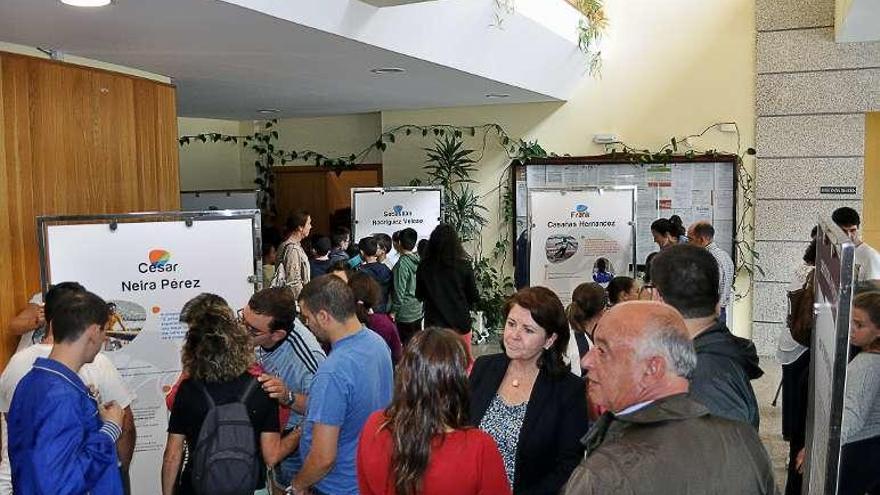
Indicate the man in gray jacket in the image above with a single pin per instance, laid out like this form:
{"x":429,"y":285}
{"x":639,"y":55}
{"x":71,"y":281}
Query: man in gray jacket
{"x":686,"y":278}
{"x":655,"y":439}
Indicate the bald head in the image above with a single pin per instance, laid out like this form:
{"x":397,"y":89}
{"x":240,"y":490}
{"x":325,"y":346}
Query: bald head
{"x":701,"y":233}
{"x":642,"y":352}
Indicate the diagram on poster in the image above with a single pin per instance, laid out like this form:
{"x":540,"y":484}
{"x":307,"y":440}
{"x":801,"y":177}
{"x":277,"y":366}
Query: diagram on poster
{"x":580,"y":236}
{"x":148,"y":270}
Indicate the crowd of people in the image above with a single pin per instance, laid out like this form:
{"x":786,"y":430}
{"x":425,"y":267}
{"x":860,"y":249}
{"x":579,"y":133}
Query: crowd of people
{"x":352,"y":372}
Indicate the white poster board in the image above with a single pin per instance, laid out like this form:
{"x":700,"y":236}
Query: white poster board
{"x":572,"y":230}
{"x":386,"y":210}
{"x":149,"y":269}
{"x":829,"y":355}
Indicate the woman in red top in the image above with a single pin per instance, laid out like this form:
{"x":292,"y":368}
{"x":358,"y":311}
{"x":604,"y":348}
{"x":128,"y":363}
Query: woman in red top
{"x":421,"y":444}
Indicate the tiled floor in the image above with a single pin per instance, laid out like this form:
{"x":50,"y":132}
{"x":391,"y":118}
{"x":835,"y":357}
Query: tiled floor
{"x":771,"y":417}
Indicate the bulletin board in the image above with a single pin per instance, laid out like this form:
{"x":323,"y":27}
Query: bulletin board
{"x":694,"y":188}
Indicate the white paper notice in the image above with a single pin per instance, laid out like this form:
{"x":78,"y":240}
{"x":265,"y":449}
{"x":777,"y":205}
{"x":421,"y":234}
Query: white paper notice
{"x":724,"y":176}
{"x":723,"y":204}
{"x":701,"y":197}
{"x":572,"y":175}
{"x":724,"y":235}
{"x":535,"y":175}
{"x":702,"y":213}
{"x":704,"y":176}
{"x":590,"y":175}
{"x":554,"y":175}
{"x":682,"y":184}
{"x":607,"y":175}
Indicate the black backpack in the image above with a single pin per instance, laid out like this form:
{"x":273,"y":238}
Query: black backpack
{"x":226,"y":458}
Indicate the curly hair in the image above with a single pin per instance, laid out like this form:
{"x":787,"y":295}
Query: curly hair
{"x":217,"y":347}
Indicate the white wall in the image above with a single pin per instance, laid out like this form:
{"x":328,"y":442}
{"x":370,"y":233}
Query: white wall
{"x":672,"y":68}
{"x":207,"y":166}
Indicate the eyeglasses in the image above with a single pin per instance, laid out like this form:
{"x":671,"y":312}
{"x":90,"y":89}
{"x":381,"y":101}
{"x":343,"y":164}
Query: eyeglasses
{"x":254,"y":331}
{"x":646,"y":291}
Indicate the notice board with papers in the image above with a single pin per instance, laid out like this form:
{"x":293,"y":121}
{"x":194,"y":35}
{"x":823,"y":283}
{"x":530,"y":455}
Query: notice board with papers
{"x":694,"y":188}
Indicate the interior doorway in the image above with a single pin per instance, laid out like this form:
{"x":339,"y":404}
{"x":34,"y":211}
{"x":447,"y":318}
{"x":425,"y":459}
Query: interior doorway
{"x":320,"y":191}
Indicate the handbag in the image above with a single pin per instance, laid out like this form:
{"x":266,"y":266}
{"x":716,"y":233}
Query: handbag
{"x":280,"y":277}
{"x":800,"y":311}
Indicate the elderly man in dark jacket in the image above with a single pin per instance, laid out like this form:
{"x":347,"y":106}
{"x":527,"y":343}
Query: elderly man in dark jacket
{"x":686,"y":278}
{"x":656,"y":439}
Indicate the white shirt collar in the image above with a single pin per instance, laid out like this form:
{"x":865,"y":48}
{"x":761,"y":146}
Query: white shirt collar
{"x":633,"y":408}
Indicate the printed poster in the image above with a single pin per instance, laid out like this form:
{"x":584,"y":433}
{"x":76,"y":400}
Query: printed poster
{"x":149,"y":270}
{"x":580,"y":236}
{"x":377,"y":210}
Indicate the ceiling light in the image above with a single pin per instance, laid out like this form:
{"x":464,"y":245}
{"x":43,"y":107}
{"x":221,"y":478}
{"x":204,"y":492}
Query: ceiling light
{"x":387,"y":70}
{"x":497,"y":95}
{"x":87,"y":3}
{"x":268,"y":111}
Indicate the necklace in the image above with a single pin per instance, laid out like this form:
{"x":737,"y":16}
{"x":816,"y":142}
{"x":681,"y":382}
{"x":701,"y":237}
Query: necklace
{"x":516,"y":382}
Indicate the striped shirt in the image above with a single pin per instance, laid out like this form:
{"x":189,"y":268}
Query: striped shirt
{"x":295,"y":360}
{"x":725,"y":273}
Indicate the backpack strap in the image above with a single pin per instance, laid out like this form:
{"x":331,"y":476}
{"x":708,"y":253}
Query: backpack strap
{"x":199,"y":385}
{"x":248,"y":391}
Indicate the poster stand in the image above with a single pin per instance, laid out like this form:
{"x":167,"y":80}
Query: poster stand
{"x":149,"y":265}
{"x":389,"y":209}
{"x":578,"y":235}
{"x":829,"y":355}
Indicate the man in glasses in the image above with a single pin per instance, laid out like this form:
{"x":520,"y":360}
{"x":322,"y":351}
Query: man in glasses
{"x":289,"y":354}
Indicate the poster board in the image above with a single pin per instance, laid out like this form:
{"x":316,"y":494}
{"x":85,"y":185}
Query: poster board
{"x":829,"y":357}
{"x":149,"y":265}
{"x":389,"y":209}
{"x":581,"y":235}
{"x":701,"y":188}
{"x":231,"y":199}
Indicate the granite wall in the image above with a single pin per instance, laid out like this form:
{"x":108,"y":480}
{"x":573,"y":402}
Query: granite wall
{"x":811,"y":99}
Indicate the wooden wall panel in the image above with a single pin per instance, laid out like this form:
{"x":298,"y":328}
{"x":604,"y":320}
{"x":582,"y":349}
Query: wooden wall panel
{"x":871,"y":195}
{"x":75,"y":140}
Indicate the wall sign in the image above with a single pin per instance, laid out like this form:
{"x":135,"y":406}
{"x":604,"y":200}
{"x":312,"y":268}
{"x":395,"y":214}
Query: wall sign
{"x":837,"y":189}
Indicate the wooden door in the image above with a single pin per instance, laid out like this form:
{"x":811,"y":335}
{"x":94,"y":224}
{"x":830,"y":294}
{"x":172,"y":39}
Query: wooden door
{"x":319,"y":191}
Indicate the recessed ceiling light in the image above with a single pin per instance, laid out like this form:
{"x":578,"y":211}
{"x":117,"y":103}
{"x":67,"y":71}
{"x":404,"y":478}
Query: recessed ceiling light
{"x":268,"y":111}
{"x":387,"y":70}
{"x":87,"y":3}
{"x":497,"y":95}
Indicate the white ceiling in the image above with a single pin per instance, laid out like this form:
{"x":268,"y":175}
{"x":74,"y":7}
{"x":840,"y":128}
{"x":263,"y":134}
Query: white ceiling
{"x":228,"y":61}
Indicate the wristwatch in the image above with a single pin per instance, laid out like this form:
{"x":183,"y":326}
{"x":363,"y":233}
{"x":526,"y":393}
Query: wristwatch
{"x":289,"y":398}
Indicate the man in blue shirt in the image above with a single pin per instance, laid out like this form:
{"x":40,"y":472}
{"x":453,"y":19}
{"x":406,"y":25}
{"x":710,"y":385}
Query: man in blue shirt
{"x":354,"y":381}
{"x":290,"y":357}
{"x":60,"y":440}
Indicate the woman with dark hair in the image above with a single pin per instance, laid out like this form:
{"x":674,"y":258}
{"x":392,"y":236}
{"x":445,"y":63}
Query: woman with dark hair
{"x":216,"y":356}
{"x":368,"y":295}
{"x":527,"y":398}
{"x":292,"y":267}
{"x":446,"y":285}
{"x":588,"y":302}
{"x":679,"y":229}
{"x":666,"y":233}
{"x":422,"y":442}
{"x":622,"y":289}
